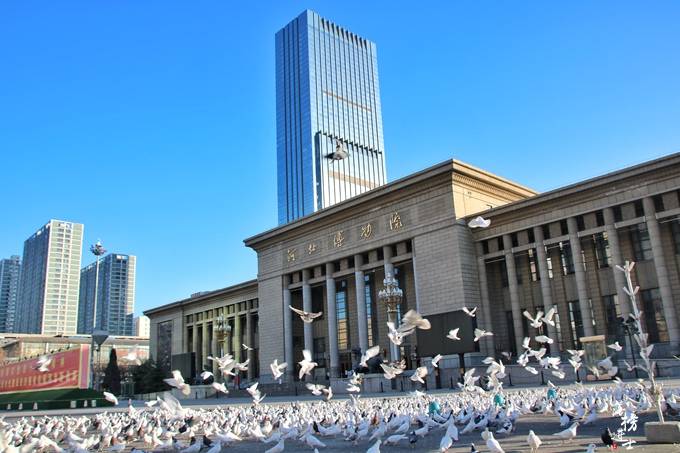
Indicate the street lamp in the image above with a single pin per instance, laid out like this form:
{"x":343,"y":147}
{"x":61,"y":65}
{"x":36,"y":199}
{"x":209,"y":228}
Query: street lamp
{"x":391,"y":296}
{"x":223,"y":330}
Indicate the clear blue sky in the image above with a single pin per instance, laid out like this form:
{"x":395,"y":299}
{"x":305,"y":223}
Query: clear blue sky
{"x":153,"y":123}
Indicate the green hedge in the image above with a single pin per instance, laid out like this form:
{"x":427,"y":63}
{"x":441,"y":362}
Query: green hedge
{"x":52,"y":399}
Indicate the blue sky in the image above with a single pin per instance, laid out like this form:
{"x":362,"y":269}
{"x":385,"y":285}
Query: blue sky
{"x":153,"y":123}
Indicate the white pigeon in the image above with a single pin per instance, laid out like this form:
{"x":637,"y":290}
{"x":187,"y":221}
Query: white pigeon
{"x":419,"y":374}
{"x":544,"y":339}
{"x":277,"y":368}
{"x":394,"y":439}
{"x":453,"y":334}
{"x":353,"y":388}
{"x":415,"y":319}
{"x":395,"y":335}
{"x":536,"y":321}
{"x":435,"y":360}
{"x":177,"y":381}
{"x":531,"y":369}
{"x":43,"y":363}
{"x":615,"y":346}
{"x":111,"y":397}
{"x":220,"y":387}
{"x":278,"y":448}
{"x":445,"y":443}
{"x":479,"y":333}
{"x":306,"y":316}
{"x":569,"y":433}
{"x":548,"y":318}
{"x":389,"y":371}
{"x":375,"y":448}
{"x":316,"y":389}
{"x":479,"y":222}
{"x":246,"y":347}
{"x":493,"y":445}
{"x":306,"y":364}
{"x":470,"y":313}
{"x":132,"y":356}
{"x":534,"y":441}
{"x":206,"y":375}
{"x":369,"y":354}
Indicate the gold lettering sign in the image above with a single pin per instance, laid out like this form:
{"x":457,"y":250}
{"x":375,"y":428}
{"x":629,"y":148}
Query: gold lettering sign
{"x":366,"y":231}
{"x":291,"y":255}
{"x":311,"y":248}
{"x":395,"y":221}
{"x":339,"y":239}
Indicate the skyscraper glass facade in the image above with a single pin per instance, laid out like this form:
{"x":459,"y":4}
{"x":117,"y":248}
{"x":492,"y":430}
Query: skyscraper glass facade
{"x":115,"y":295}
{"x":10,"y":269}
{"x":328,"y":116}
{"x":50,"y":280}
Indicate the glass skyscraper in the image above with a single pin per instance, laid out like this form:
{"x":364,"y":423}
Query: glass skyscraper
{"x":50,"y":280}
{"x":115,"y":295}
{"x":329,"y":136}
{"x":10,"y":269}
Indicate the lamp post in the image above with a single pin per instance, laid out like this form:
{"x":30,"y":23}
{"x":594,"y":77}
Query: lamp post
{"x":630,"y":328}
{"x":391,"y":296}
{"x":97,"y":250}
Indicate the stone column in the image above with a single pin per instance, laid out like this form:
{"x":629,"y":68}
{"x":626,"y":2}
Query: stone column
{"x":514,"y":292}
{"x":249,"y":342}
{"x":580,"y":274}
{"x":236,"y":338}
{"x":617,"y":260}
{"x":205,"y":346}
{"x":287,"y":329}
{"x":215,"y":348}
{"x":307,"y":306}
{"x":661,"y":273}
{"x":486,"y":324}
{"x":332,"y":317}
{"x":362,"y":318}
{"x":546,"y":292}
{"x":387,"y":259}
{"x":195,"y":347}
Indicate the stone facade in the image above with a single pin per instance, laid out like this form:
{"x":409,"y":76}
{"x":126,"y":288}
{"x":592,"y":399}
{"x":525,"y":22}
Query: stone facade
{"x":556,"y":249}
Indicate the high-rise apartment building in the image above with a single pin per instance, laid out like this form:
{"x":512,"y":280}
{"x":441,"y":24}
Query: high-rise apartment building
{"x":10,"y":269}
{"x":50,"y":279}
{"x":114,"y":311}
{"x":329,"y":136}
{"x":142,"y":326}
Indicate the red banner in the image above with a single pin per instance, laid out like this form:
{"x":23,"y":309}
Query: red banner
{"x":68,"y":369}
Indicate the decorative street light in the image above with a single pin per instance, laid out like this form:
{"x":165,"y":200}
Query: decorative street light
{"x":391,"y":296}
{"x":98,"y":339}
{"x":223,"y":330}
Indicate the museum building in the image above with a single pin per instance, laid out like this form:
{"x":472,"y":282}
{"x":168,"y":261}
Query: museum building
{"x":555,"y":249}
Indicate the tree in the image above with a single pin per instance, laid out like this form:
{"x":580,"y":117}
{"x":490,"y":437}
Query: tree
{"x":112,"y":374}
{"x":148,"y":378}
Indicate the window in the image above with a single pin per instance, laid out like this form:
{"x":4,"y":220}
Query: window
{"x":580,"y":223}
{"x":599,"y":218}
{"x":639,"y":209}
{"x":658,"y":203}
{"x":675,"y":231}
{"x":566,"y":258}
{"x":618,"y":213}
{"x":602,"y":252}
{"x":652,"y":315}
{"x":320,"y":352}
{"x":342,"y":318}
{"x":612,"y":313}
{"x":576,"y":323}
{"x":518,"y":268}
{"x":372,"y":321}
{"x":514,"y":240}
{"x":530,"y":234}
{"x":532,"y":265}
{"x":642,"y":246}
{"x":511,"y":332}
{"x":546,"y":231}
{"x":549,"y":265}
{"x":485,"y":247}
{"x":564,"y":227}
{"x":164,"y":347}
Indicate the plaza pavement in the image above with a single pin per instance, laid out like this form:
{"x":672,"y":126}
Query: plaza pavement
{"x":543,"y":426}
